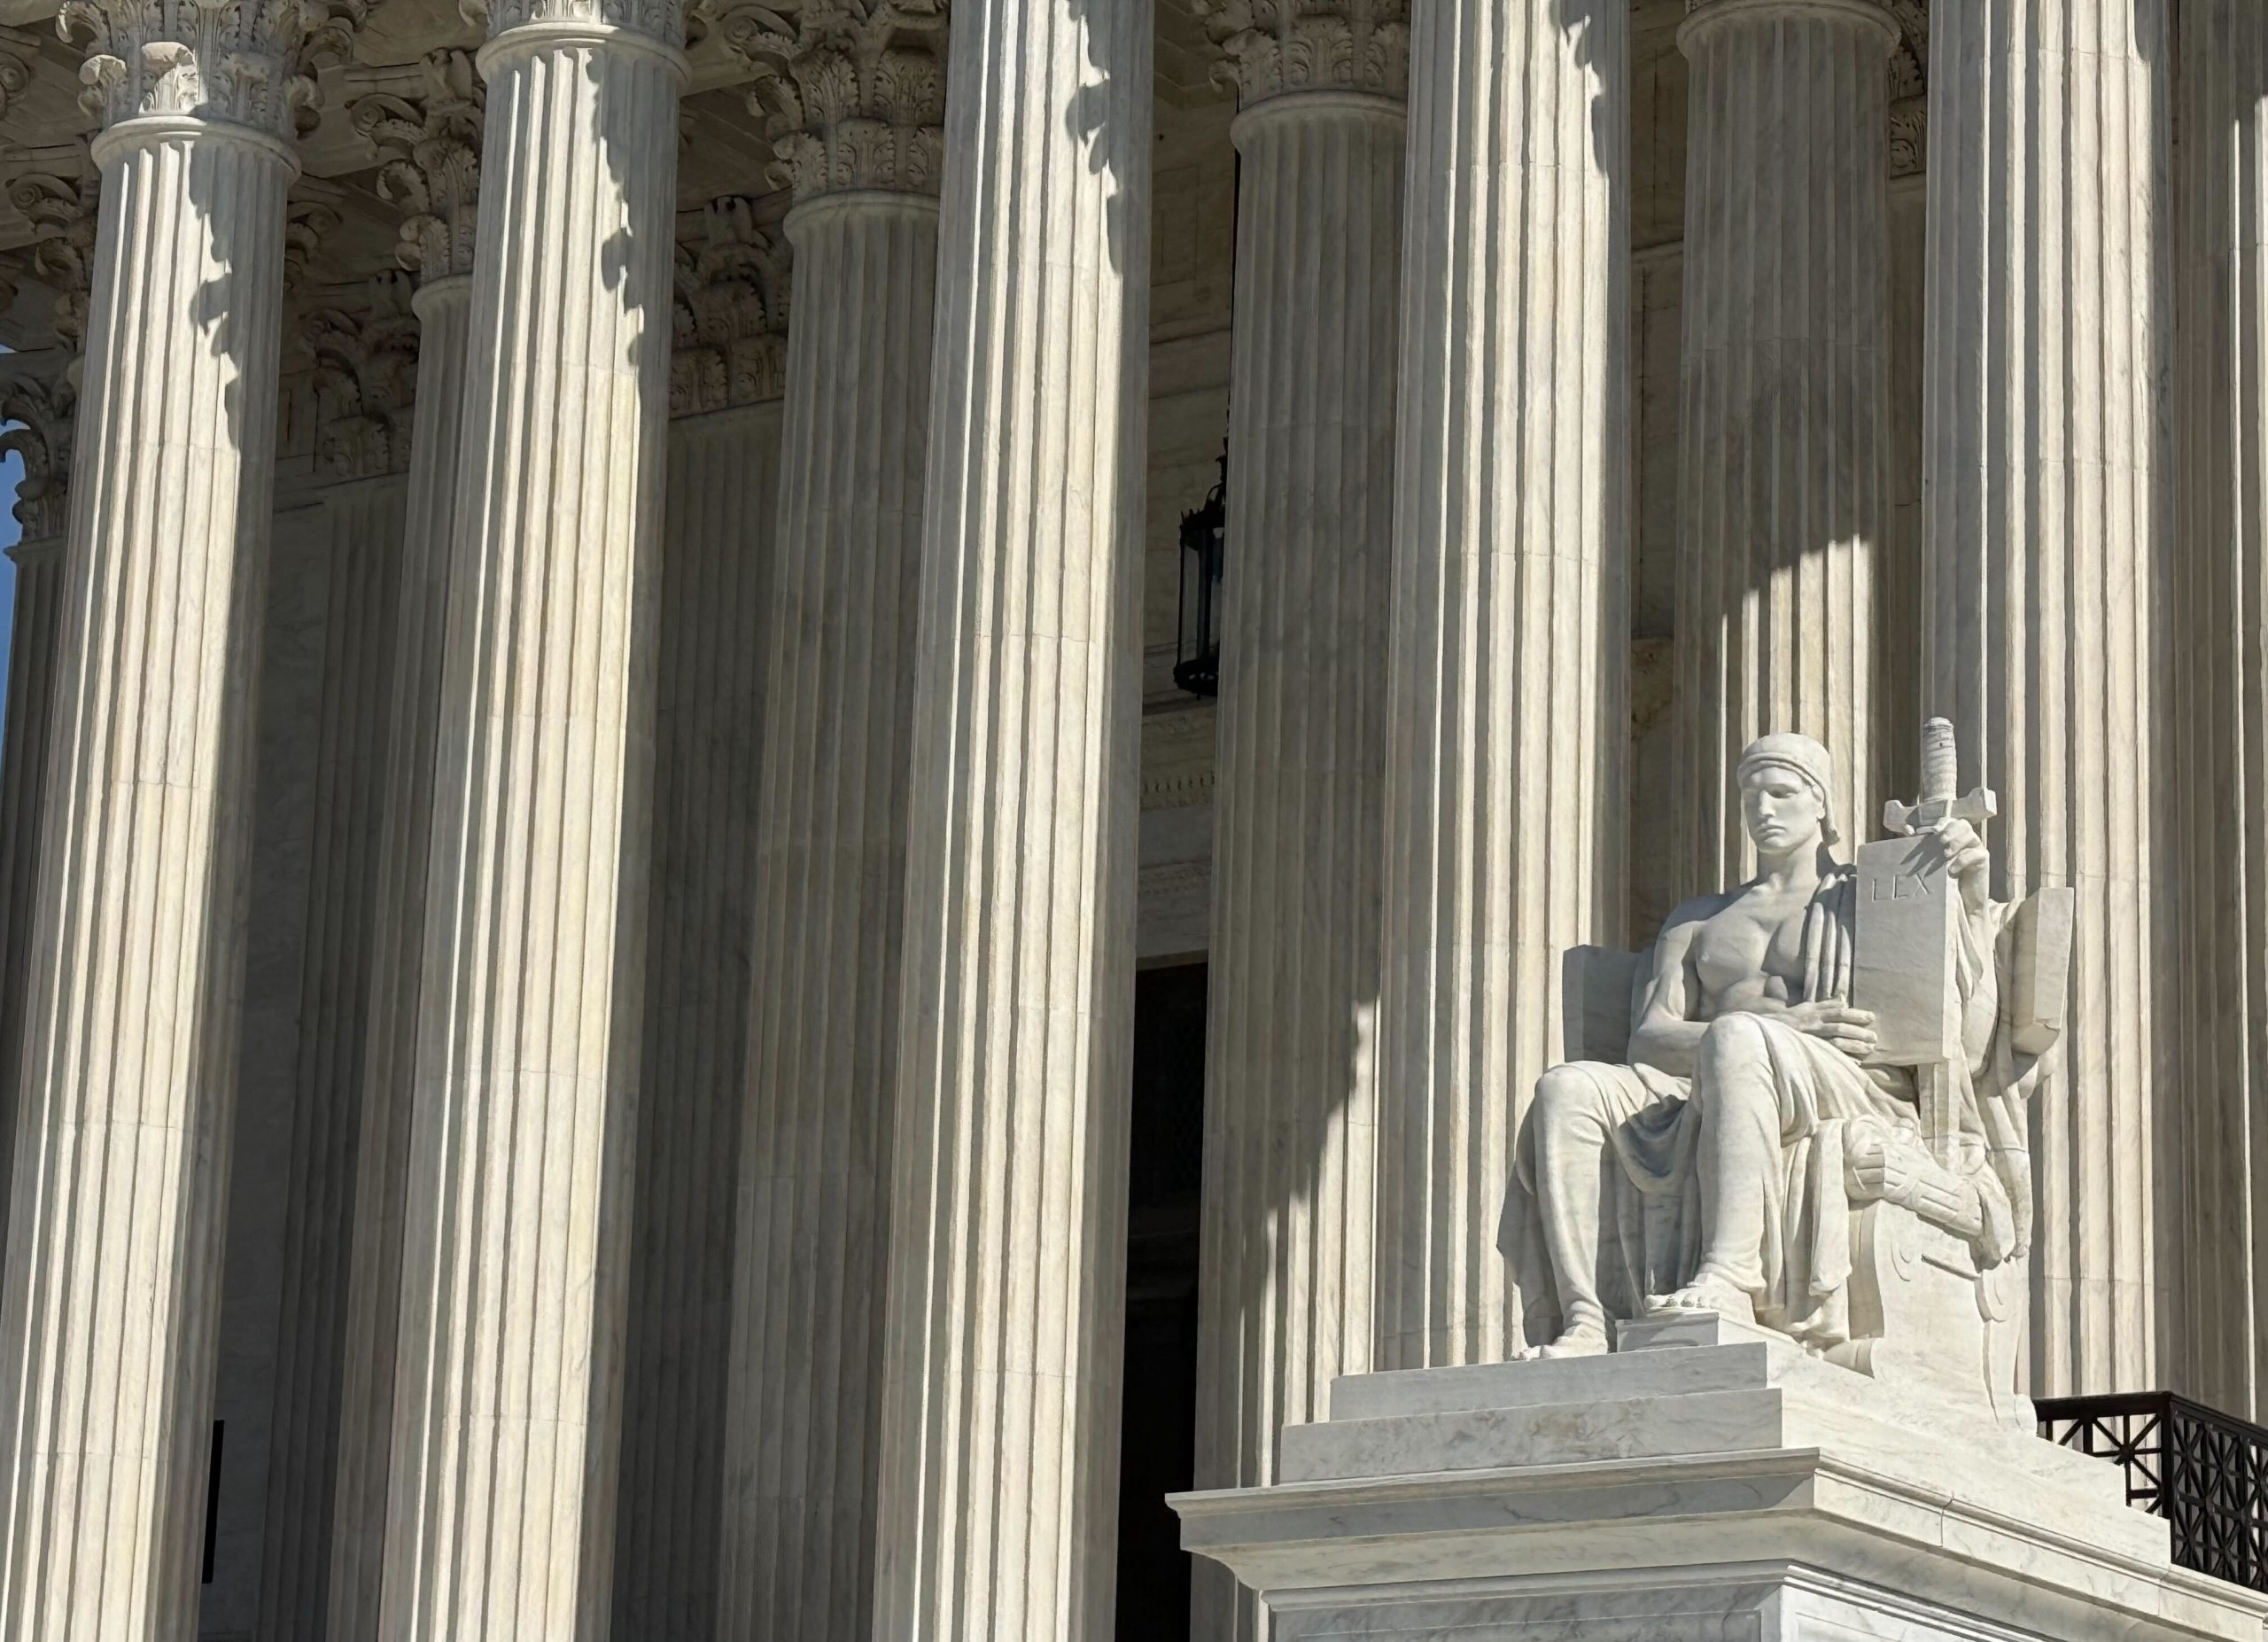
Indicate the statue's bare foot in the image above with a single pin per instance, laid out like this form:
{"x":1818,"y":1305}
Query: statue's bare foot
{"x":1585,"y":1339}
{"x":1709,"y":1291}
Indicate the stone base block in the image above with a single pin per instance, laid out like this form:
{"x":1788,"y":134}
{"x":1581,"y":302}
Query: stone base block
{"x":1706,"y":1479}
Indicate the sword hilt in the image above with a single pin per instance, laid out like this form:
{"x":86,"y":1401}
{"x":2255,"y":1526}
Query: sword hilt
{"x":1940,"y":781}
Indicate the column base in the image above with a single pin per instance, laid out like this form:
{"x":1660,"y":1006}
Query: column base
{"x":1703,"y":1480}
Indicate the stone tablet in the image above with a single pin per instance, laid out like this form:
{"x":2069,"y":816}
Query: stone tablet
{"x":1902,"y":955}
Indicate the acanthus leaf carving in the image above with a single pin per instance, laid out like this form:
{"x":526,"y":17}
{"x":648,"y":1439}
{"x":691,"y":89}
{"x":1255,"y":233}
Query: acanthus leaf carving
{"x":729,"y":320}
{"x":1909,"y":137}
{"x":235,"y":62}
{"x":429,"y":149}
{"x":39,"y":394}
{"x":853,"y":92}
{"x":365,"y":380}
{"x":1272,"y":47}
{"x":58,"y":193}
{"x":311,"y":217}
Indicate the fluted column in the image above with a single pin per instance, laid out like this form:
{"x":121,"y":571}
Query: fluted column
{"x":1004,"y":1337}
{"x":1507,"y":716}
{"x":428,"y":135}
{"x":2042,"y":507}
{"x":39,"y":399}
{"x":2221,"y":760}
{"x":1784,"y":435}
{"x":1290,"y":1135}
{"x":107,"y":1307}
{"x":717,"y":571}
{"x":364,"y":356}
{"x":500,"y":1520}
{"x":798,"y":1534}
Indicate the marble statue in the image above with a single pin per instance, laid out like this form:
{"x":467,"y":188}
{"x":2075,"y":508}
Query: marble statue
{"x":1817,"y":1124}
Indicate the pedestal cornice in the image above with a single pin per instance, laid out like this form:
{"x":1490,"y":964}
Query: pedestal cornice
{"x":853,"y":92}
{"x":1279,"y":48}
{"x":428,"y":151}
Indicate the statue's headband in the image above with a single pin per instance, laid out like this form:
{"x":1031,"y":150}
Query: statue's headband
{"x":1804,"y":757}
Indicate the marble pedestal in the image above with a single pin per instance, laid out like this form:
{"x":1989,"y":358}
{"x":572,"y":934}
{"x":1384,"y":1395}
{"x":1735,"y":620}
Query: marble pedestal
{"x":1704,"y":1481}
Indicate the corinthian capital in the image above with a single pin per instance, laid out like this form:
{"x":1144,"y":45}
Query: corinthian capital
{"x":429,"y":150}
{"x":853,"y":92}
{"x":233,"y":62}
{"x":729,"y":325}
{"x":19,"y":51}
{"x":365,"y":381}
{"x":1271,"y":47}
{"x":311,"y":217}
{"x":38,"y":394}
{"x":55,"y":189}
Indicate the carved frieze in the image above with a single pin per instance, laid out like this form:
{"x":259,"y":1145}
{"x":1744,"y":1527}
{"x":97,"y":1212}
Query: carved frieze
{"x":729,"y":322}
{"x":429,"y":148}
{"x":852,"y":91}
{"x":1271,"y":47}
{"x":38,"y":394}
{"x":365,"y":381}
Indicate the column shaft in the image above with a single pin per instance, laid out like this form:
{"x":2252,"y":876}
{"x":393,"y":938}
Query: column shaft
{"x":129,"y":1052}
{"x":1507,"y":718}
{"x":1784,"y":435}
{"x":717,"y":575}
{"x":798,"y":1540}
{"x":32,"y":642}
{"x":413,"y":712}
{"x":364,"y":524}
{"x":2221,"y":378}
{"x":507,"y":1398}
{"x":998,"y":1491}
{"x":1290,"y":1131}
{"x":2043,"y":511}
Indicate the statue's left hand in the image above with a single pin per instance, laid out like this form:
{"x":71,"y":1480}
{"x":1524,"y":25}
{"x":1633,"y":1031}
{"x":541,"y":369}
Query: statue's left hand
{"x":1878,"y":1168}
{"x":1967,"y":859}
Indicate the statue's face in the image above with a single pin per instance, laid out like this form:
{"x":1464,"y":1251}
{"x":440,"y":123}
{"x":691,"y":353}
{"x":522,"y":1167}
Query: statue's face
{"x":1782,"y":810}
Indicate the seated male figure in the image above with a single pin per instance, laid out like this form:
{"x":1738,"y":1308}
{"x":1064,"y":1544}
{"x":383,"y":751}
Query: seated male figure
{"x":1714,"y":1171}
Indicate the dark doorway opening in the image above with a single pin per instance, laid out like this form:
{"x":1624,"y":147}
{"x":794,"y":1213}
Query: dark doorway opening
{"x":1158,"y":1417}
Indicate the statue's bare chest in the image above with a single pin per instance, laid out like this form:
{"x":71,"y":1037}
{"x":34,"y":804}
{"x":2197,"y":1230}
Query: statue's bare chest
{"x":1750,"y":952}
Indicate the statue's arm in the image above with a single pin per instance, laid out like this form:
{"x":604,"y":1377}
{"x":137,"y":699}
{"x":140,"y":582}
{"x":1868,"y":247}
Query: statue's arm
{"x":1666,"y":1037}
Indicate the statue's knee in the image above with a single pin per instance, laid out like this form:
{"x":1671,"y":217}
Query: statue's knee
{"x":1564,"y":1095}
{"x":1732,"y":1042}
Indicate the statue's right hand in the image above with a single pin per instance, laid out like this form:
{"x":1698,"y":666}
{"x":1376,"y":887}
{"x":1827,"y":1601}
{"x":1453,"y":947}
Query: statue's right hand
{"x":1849,"y":1030}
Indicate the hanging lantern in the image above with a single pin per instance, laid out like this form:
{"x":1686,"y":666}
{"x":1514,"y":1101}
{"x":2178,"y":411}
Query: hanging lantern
{"x":1197,"y":650}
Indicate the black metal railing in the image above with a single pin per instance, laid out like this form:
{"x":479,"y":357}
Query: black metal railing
{"x":2204,"y":1471}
